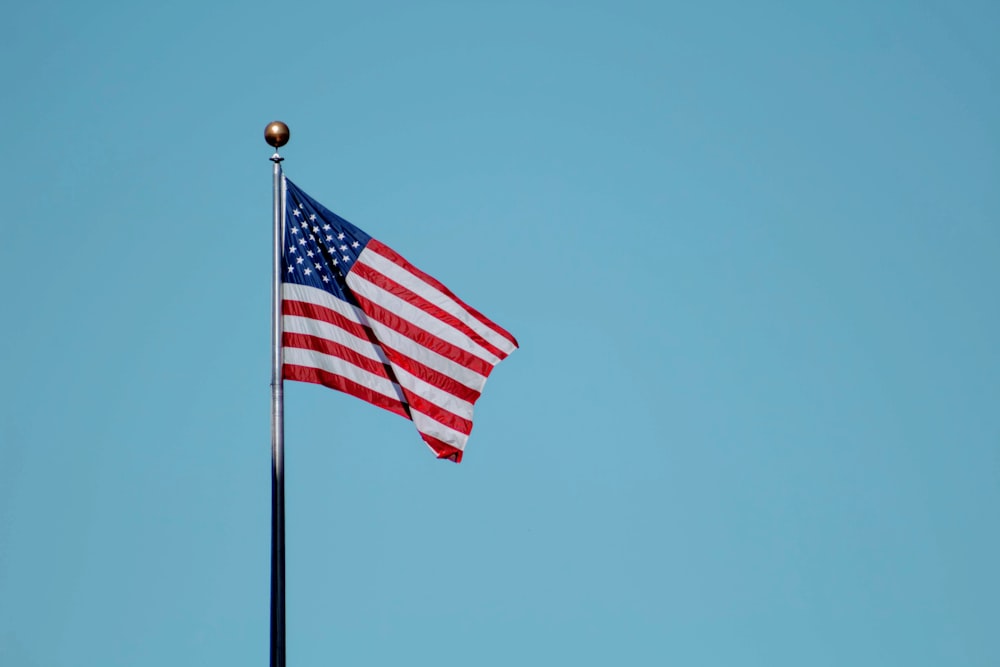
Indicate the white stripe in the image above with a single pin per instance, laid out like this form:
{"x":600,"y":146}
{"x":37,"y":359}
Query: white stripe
{"x":416,"y":284}
{"x":391,"y":338}
{"x":438,"y":430}
{"x":432,"y":394}
{"x":312,"y":359}
{"x":318,"y":297}
{"x":418,"y":317}
{"x":428,"y":357}
{"x":325,"y":330}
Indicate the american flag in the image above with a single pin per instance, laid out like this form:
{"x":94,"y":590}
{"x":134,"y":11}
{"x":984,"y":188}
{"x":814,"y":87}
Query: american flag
{"x":359,"y":318}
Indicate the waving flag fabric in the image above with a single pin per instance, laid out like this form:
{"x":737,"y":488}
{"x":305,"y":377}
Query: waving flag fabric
{"x":359,"y":318}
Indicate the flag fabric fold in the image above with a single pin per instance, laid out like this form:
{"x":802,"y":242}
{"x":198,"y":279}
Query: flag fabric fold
{"x":359,"y":318}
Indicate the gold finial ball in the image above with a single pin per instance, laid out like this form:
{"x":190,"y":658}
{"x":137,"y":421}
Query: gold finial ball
{"x":277,"y":134}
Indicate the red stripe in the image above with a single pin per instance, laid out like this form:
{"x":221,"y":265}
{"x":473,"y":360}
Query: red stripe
{"x":414,"y":299}
{"x":314,"y":312}
{"x":431,"y":376}
{"x":423,"y":338}
{"x":443,"y":449}
{"x":334,"y":349}
{"x":340,"y":383}
{"x":437,"y":413}
{"x":390,"y":254}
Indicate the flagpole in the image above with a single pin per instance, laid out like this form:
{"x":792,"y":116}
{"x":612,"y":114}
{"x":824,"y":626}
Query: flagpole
{"x":277,"y":134}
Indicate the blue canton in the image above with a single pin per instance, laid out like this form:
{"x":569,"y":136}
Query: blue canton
{"x":320,"y":246}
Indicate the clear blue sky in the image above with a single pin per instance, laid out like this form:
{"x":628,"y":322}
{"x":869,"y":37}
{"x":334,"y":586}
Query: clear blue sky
{"x":751,"y":254}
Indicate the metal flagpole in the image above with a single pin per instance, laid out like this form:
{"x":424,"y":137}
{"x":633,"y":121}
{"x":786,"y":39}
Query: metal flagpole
{"x":277,"y":134}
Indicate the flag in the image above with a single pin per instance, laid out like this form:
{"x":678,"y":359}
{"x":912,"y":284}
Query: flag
{"x":359,"y":318}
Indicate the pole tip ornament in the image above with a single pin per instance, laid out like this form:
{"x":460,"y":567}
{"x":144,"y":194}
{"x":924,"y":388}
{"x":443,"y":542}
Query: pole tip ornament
{"x":277,"y":134}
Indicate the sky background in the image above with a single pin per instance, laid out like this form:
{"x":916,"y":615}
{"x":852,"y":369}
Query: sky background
{"x":751,"y":252}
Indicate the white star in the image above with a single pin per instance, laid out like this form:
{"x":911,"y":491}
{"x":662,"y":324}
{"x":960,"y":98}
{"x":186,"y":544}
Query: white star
{"x":293,"y":249}
{"x":296,"y":213}
{"x":312,"y":217}
{"x":307,"y":272}
{"x":335,"y":262}
{"x":340,"y":236}
{"x":343,"y":247}
{"x":302,"y":241}
{"x":326,"y":228}
{"x":305,"y":225}
{"x":299,"y":260}
{"x":295,"y":230}
{"x":312,"y":238}
{"x":318,"y":265}
{"x":346,"y":258}
{"x":316,"y":230}
{"x":329,"y":238}
{"x":291,"y":269}
{"x":326,"y":279}
{"x":355,"y":244}
{"x":309,"y":253}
